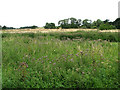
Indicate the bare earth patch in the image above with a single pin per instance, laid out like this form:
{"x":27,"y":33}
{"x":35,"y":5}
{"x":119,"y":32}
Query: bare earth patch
{"x":51,"y":30}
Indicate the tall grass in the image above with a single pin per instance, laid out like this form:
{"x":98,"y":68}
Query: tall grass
{"x":93,"y":35}
{"x":46,"y":61}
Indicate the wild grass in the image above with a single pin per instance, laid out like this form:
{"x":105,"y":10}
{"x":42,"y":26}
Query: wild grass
{"x":91,"y":35}
{"x":47,"y":61}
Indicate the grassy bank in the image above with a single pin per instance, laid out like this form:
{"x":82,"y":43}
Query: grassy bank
{"x":91,"y":35}
{"x":57,"y":60}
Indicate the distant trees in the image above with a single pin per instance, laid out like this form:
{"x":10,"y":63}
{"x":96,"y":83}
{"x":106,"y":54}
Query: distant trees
{"x":76,"y":23}
{"x":29,"y":27}
{"x":26,"y":27}
{"x":49,"y":26}
{"x":33,"y":27}
{"x":79,"y":22}
{"x":0,"y":27}
{"x":70,"y":23}
{"x":106,"y":26}
{"x":5,"y":27}
{"x":73,"y":22}
{"x":64,"y":23}
{"x":96,"y":24}
{"x":116,"y":23}
{"x":88,"y":24}
{"x":106,"y":21}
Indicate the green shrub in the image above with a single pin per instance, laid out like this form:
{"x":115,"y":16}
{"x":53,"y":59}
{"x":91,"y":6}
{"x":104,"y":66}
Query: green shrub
{"x":93,"y":27}
{"x":49,"y":26}
{"x":29,"y":27}
{"x":106,"y":26}
{"x":113,"y":37}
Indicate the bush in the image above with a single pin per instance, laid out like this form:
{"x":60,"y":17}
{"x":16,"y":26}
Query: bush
{"x":83,"y":27}
{"x":106,"y":26}
{"x":112,"y":37}
{"x":49,"y":26}
{"x":93,"y":27}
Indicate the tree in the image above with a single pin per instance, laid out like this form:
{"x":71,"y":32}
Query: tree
{"x":4,"y":27}
{"x":29,"y":27}
{"x":117,"y":23}
{"x":106,"y":26}
{"x":96,"y":24}
{"x":106,"y":21}
{"x":33,"y":27}
{"x":61,"y":23}
{"x":87,"y":23}
{"x":73,"y":20}
{"x":70,"y":23}
{"x":79,"y":21}
{"x":0,"y":27}
{"x":49,"y":26}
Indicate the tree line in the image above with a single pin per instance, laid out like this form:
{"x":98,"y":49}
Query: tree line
{"x":25,"y":27}
{"x":76,"y":23}
{"x":85,"y":24}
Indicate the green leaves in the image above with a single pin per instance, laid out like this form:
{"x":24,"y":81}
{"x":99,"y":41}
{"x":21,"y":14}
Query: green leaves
{"x":49,"y":26}
{"x":106,"y":26}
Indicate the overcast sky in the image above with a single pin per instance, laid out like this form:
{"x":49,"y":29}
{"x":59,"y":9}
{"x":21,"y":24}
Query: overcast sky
{"x":18,"y":13}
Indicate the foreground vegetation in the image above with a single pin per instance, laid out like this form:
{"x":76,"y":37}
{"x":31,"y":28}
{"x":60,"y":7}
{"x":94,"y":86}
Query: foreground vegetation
{"x":87,"y":60}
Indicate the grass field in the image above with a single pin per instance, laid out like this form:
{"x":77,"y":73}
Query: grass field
{"x":60,"y":60}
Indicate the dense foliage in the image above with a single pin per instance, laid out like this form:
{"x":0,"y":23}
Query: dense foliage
{"x":70,"y":23}
{"x":5,"y":27}
{"x":106,"y":26}
{"x":47,"y":60}
{"x":88,"y":24}
{"x":117,"y":23}
{"x":49,"y":26}
{"x":112,"y":37}
{"x":29,"y":27}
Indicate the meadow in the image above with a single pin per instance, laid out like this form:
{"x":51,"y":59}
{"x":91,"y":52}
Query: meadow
{"x":60,"y":60}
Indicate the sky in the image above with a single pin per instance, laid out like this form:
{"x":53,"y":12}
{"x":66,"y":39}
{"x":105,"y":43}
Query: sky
{"x":20,"y":13}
